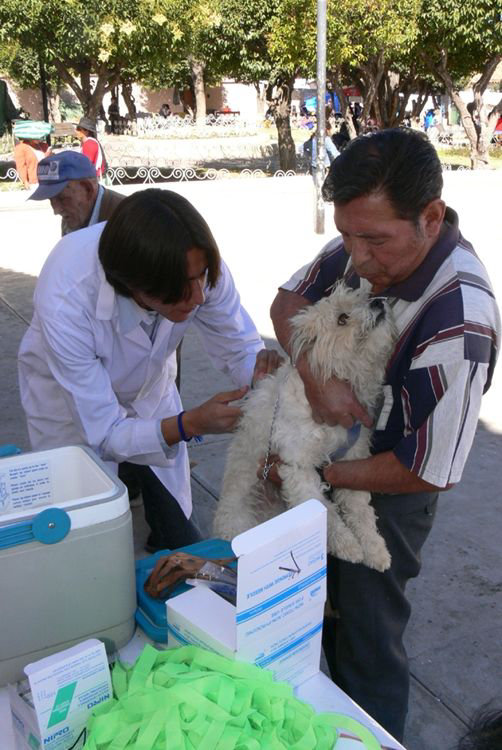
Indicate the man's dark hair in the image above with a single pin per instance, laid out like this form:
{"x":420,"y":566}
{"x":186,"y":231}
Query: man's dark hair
{"x":144,"y":245}
{"x":485,"y":731}
{"x":399,"y":162}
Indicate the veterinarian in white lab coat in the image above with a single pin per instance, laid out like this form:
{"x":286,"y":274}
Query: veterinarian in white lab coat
{"x":97,"y":365}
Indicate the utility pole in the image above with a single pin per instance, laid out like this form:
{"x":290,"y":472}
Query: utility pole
{"x":321,"y":115}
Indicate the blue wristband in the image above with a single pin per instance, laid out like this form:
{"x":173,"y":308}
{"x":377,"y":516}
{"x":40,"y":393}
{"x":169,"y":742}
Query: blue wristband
{"x":197,"y":438}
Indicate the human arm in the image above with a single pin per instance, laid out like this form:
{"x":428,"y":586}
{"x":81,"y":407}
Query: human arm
{"x":20,"y":154}
{"x":331,"y":149}
{"x":80,"y":392}
{"x":383,"y":473}
{"x":213,"y":416}
{"x":228,"y":334}
{"x":332,"y":402}
{"x":441,"y":404}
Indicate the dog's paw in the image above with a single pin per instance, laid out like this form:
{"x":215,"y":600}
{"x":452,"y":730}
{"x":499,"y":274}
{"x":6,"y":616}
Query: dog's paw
{"x":376,"y":555}
{"x":343,"y":544}
{"x":226,"y":527}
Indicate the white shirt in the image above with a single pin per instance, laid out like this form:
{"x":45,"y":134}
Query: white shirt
{"x":89,"y":373}
{"x":97,"y":207}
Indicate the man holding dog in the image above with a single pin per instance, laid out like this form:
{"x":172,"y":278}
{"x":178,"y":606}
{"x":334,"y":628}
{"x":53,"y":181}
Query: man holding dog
{"x":398,"y":236}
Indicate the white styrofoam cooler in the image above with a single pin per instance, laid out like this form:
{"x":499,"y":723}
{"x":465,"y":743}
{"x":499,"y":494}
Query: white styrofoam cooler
{"x":56,"y":593}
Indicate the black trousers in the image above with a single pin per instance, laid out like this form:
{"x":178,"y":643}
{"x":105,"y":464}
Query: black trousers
{"x":169,"y":526}
{"x":363,"y":645}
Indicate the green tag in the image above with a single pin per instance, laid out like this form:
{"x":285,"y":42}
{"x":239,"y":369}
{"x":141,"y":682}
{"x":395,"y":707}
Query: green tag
{"x":191,"y":699}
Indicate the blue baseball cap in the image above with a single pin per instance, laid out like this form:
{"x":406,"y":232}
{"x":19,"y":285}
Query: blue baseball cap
{"x":55,"y":172}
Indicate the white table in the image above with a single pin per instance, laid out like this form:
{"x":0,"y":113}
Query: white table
{"x":319,"y":691}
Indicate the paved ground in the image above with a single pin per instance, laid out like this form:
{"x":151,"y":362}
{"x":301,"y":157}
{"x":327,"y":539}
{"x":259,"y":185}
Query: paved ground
{"x":264,"y":228}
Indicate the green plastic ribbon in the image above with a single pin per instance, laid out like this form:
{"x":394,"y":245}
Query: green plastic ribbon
{"x":191,"y":699}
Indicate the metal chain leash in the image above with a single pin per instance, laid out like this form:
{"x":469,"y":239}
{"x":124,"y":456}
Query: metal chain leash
{"x":267,"y":466}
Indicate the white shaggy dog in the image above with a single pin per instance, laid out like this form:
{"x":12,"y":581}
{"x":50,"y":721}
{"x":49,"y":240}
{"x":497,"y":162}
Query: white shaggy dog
{"x":348,"y":335}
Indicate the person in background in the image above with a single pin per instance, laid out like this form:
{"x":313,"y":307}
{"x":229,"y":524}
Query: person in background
{"x":27,"y":155}
{"x":428,"y":119}
{"x":165,"y":110}
{"x":310,"y":149}
{"x":97,"y":365}
{"x":114,"y":114}
{"x":90,"y":146}
{"x":68,"y":180}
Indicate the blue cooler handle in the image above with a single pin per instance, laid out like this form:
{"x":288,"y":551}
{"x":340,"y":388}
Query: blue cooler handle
{"x":9,"y":449}
{"x":48,"y":527}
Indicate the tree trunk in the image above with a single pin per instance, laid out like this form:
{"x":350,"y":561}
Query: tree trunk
{"x":279,"y":100}
{"x":86,"y":91}
{"x":287,"y":152}
{"x":478,"y":159}
{"x":54,"y":102}
{"x":129,"y":98}
{"x":197,"y":68}
{"x":419,"y":103}
{"x":484,"y":131}
{"x":372,"y":73}
{"x":392,"y":98}
{"x":475,"y":118}
{"x":89,"y":98}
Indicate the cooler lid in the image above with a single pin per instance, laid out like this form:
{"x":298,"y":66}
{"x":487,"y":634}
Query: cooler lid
{"x":71,"y":478}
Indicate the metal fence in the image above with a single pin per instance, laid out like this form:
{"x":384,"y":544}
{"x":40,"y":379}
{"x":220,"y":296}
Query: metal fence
{"x":177,"y":126}
{"x":176,"y":149}
{"x":155,"y":149}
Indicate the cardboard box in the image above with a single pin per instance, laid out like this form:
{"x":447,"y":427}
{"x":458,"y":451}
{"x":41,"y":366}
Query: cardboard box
{"x":51,"y":708}
{"x":281,"y":591}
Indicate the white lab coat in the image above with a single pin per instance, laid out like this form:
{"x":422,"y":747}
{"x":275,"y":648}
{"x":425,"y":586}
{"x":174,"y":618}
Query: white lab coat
{"x":89,"y":374}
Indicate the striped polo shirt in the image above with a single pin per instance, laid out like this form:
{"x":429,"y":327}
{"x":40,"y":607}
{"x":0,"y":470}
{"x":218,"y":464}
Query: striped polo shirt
{"x":448,"y":336}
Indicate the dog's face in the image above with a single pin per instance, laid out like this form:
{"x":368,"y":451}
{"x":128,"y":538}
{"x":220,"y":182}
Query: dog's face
{"x":347,"y":334}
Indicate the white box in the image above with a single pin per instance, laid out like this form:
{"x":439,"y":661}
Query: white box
{"x":281,"y":591}
{"x":50,"y":710}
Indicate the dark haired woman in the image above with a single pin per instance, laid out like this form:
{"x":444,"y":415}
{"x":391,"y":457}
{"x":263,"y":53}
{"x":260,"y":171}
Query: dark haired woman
{"x":97,"y":365}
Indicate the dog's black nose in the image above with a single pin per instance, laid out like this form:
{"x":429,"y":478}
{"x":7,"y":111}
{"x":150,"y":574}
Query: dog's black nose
{"x":377,"y":304}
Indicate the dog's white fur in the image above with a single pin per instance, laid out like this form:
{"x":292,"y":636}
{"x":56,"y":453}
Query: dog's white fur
{"x":355,"y":349}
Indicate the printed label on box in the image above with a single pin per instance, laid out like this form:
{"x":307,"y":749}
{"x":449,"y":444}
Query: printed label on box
{"x":25,"y":486}
{"x":275,"y":585}
{"x":65,"y":688}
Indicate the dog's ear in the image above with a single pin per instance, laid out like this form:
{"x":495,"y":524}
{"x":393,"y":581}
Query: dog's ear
{"x":305,"y":325}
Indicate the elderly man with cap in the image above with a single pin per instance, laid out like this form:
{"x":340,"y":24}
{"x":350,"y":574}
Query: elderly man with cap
{"x":69,"y":181}
{"x":91,"y":147}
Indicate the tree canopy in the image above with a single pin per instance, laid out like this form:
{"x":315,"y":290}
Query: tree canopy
{"x":388,"y":48}
{"x":103,"y":38}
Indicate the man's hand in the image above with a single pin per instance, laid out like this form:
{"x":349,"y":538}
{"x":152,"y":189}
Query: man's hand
{"x":267,"y":362}
{"x":332,"y":403}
